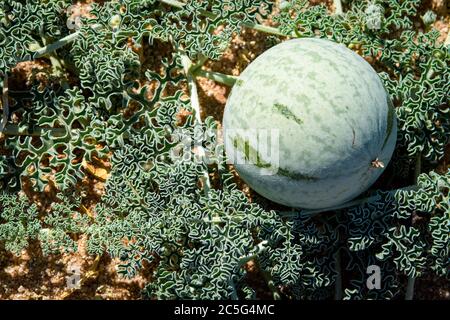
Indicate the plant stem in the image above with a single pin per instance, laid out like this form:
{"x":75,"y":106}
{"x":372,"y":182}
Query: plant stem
{"x":418,"y":167}
{"x":173,"y":3}
{"x":200,"y":62}
{"x":263,"y":28}
{"x":338,"y":282}
{"x":55,"y":45}
{"x":410,"y":288}
{"x":57,"y":66}
{"x":338,"y":7}
{"x":261,"y":247}
{"x":58,"y":70}
{"x":13,"y":130}
{"x":216,"y":76}
{"x":412,"y":280}
{"x":136,"y":193}
{"x":187,"y":65}
{"x":5,"y":103}
{"x":251,"y":25}
{"x":39,"y":53}
{"x":208,"y":14}
{"x":195,"y":103}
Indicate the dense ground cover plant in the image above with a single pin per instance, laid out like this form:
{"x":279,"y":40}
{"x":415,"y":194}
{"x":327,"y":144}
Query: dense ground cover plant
{"x":101,"y":100}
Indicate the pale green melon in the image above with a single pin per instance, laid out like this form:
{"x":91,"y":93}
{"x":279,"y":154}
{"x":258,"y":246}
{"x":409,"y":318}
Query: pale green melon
{"x":337,"y":127}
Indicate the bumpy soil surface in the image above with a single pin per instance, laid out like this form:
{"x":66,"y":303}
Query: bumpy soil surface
{"x":33,"y":276}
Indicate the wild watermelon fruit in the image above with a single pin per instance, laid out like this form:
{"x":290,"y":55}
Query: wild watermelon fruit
{"x":336,"y":124}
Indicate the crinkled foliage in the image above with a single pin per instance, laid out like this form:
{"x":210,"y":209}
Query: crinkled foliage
{"x":21,"y":222}
{"x":27,"y":25}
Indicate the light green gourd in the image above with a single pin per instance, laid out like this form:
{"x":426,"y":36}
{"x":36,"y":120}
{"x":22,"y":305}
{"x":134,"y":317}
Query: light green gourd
{"x":336,"y":124}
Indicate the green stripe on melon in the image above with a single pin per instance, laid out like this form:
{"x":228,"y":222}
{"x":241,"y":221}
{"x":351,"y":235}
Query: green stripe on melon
{"x":334,"y":117}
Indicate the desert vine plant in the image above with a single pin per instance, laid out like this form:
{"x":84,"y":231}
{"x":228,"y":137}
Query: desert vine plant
{"x":119,"y":84}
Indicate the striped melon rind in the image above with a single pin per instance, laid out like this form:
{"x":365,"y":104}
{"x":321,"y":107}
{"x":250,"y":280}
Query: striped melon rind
{"x":334,"y":117}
